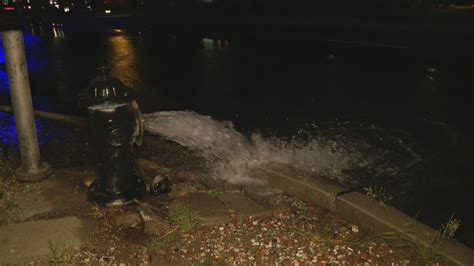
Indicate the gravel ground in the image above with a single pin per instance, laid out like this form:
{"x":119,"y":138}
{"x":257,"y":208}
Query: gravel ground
{"x":287,"y":237}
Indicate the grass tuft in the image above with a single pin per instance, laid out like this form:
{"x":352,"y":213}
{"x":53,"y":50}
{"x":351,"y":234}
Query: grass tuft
{"x":183,"y":218}
{"x":300,"y":207}
{"x":215,"y":193}
{"x":62,"y":252}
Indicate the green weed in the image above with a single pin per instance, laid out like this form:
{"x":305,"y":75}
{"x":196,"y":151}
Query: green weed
{"x":300,"y":207}
{"x":377,"y":193}
{"x":183,"y":218}
{"x":445,"y":232}
{"x":215,"y":193}
{"x":62,"y":252}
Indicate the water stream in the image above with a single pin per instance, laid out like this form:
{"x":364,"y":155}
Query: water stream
{"x":230,"y":154}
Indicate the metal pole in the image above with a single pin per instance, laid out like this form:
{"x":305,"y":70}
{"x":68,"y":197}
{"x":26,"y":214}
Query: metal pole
{"x":31,"y":169}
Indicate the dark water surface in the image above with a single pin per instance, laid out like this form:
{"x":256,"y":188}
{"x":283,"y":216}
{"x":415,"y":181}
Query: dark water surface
{"x":392,"y":97}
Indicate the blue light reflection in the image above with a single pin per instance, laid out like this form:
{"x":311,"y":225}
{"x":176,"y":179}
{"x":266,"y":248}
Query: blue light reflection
{"x":35,"y":58}
{"x":45,"y":130}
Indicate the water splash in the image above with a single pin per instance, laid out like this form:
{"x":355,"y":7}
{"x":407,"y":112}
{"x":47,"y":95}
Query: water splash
{"x":231,"y":155}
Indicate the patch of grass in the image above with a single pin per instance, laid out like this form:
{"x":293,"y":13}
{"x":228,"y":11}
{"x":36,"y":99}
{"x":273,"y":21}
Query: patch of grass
{"x":300,"y":207}
{"x":324,"y":234}
{"x":183,"y":218}
{"x":377,"y":193}
{"x":161,"y":243}
{"x":62,"y":252}
{"x":215,"y":193}
{"x":445,"y":232}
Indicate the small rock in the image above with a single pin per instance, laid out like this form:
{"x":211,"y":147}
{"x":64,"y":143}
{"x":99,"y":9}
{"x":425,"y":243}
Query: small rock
{"x":355,"y":228}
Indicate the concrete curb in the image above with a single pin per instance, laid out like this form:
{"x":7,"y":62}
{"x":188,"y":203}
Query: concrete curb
{"x":364,"y":211}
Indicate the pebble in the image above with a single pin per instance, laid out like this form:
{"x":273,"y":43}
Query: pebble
{"x":355,"y":228}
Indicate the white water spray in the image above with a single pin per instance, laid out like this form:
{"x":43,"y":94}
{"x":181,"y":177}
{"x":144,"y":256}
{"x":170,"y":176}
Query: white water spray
{"x":231,"y":154}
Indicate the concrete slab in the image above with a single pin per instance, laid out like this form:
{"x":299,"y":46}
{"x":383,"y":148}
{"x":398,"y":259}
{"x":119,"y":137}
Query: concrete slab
{"x":244,"y":205}
{"x":208,"y":209}
{"x":182,"y":189}
{"x":62,"y":191}
{"x":28,"y":240}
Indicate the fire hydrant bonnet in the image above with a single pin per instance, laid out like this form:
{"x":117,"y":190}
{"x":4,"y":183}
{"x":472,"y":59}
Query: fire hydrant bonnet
{"x":105,"y":89}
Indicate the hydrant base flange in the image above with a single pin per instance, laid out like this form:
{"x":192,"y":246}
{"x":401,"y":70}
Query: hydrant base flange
{"x":31,"y":176}
{"x":106,"y":199}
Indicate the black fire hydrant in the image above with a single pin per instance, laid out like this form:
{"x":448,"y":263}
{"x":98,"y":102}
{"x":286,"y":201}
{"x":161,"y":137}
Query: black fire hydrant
{"x":115,"y":125}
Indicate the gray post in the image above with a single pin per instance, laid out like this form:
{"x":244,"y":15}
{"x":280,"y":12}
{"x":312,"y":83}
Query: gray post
{"x":31,"y":169}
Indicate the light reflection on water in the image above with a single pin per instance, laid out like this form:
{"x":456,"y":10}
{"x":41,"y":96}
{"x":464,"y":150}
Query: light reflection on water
{"x":215,"y":44}
{"x":123,"y":60}
{"x":58,"y":32}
